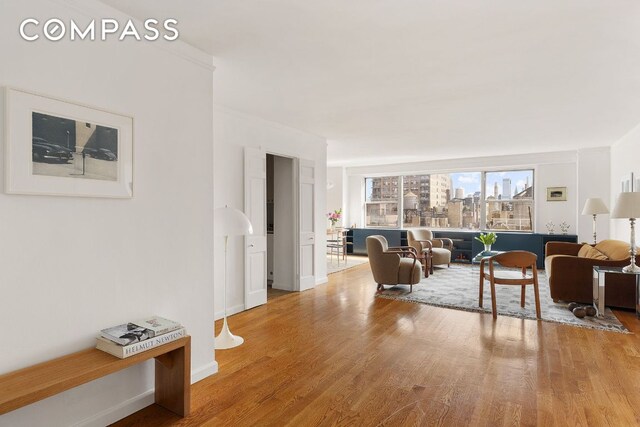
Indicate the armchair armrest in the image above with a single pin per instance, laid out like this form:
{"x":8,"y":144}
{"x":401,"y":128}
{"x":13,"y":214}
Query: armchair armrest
{"x":444,"y":242}
{"x":406,"y":250}
{"x":427,"y":243}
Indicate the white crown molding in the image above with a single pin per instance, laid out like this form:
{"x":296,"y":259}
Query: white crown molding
{"x":96,"y":9}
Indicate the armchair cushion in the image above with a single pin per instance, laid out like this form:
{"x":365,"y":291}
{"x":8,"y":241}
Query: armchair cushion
{"x":615,"y":250}
{"x":588,"y":251}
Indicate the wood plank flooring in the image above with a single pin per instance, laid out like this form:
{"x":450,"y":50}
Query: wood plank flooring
{"x":335,"y":355}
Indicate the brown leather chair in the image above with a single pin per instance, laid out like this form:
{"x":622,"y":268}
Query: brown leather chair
{"x":392,"y":265}
{"x":569,"y":268}
{"x":422,"y":240}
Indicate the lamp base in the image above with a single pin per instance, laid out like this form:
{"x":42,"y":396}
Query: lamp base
{"x":631,"y":268}
{"x":226,"y":339}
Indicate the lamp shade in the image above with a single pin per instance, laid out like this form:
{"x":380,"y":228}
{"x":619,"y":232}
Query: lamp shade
{"x":594,"y":207}
{"x":627,"y":206}
{"x":231,"y":222}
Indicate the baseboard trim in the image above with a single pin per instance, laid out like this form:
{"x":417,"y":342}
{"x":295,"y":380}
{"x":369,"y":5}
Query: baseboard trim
{"x":230,"y":311}
{"x":119,"y":411}
{"x":322,"y":280}
{"x":139,"y":402}
{"x":204,"y":372}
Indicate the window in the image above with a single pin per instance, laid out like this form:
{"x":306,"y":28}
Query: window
{"x":381,"y":201}
{"x":441,"y":200}
{"x":452,"y":200}
{"x":509,"y":200}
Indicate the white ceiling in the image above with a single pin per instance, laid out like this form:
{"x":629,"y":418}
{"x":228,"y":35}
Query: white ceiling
{"x":392,"y":81}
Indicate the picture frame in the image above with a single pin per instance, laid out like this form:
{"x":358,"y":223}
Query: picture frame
{"x":556,"y":194}
{"x":61,"y":148}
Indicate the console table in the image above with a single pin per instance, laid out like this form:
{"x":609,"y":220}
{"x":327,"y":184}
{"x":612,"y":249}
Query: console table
{"x":37,"y":382}
{"x":464,"y":243}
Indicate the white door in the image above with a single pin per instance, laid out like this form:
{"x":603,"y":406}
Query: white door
{"x":255,"y":252}
{"x":306,"y":220}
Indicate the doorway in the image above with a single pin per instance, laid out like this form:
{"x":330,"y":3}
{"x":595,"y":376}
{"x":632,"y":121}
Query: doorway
{"x":281,"y":226}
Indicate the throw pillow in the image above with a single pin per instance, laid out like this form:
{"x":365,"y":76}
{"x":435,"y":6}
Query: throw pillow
{"x":588,"y":251}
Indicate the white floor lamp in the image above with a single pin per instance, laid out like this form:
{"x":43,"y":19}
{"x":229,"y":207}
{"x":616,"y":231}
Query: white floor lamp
{"x":229,"y":222}
{"x":594,"y":207}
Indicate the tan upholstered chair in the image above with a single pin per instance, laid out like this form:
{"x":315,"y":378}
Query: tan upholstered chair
{"x":392,"y":266}
{"x":422,"y":240}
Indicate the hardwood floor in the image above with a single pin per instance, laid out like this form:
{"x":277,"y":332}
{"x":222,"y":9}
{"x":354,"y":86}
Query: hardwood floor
{"x":335,"y":355}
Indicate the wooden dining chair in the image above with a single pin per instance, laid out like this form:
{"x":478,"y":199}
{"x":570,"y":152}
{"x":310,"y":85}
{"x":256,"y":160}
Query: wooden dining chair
{"x":520,"y":260}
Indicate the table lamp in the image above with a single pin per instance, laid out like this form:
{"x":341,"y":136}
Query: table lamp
{"x":594,"y":207}
{"x":628,"y":206}
{"x":229,"y":222}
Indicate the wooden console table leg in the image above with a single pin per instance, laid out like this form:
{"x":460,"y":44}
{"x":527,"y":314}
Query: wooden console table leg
{"x":173,"y":380}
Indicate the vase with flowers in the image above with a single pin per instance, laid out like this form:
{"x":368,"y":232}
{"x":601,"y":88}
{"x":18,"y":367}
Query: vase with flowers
{"x":487,"y":239}
{"x":334,"y":217}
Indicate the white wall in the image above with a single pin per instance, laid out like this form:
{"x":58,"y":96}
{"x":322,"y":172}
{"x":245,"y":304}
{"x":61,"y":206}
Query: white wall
{"x":594,"y":179}
{"x":625,"y":155}
{"x":558,"y":169}
{"x":336,"y":196}
{"x":72,"y":266}
{"x":232,"y":132}
{"x":556,"y":175}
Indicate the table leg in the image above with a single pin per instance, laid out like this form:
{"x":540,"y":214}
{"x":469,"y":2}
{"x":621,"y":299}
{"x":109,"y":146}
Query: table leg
{"x":481,"y":287}
{"x":173,"y":380}
{"x":638,"y":295}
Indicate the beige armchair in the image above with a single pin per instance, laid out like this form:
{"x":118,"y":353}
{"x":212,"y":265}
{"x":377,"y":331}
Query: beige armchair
{"x":423,"y":242}
{"x":392,"y":266}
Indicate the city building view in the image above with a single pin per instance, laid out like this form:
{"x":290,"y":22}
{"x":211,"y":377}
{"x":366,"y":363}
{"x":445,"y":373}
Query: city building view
{"x":452,"y":200}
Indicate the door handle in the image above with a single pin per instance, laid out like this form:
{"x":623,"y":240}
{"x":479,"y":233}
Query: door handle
{"x":251,"y":245}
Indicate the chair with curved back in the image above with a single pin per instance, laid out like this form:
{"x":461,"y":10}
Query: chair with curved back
{"x":430,"y":251}
{"x":520,"y":260}
{"x":392,"y":265}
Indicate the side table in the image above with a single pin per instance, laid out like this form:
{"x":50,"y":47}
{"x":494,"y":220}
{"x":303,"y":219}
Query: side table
{"x":599,"y":276}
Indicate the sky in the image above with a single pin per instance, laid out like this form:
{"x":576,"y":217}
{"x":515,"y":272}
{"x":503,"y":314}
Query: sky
{"x":471,"y":181}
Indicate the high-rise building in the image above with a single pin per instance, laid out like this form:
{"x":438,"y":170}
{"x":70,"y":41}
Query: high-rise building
{"x":459,"y":193}
{"x":506,"y":188}
{"x":495,"y":190}
{"x":440,"y":190}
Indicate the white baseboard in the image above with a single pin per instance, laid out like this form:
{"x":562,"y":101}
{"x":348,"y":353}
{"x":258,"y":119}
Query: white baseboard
{"x":204,"y":372}
{"x":230,"y":311}
{"x":322,"y":280}
{"x":141,"y":401}
{"x":119,"y":411}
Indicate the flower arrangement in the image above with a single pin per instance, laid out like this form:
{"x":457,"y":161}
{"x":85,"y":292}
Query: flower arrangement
{"x":564,"y":227}
{"x":487,"y":238}
{"x":335,"y":216}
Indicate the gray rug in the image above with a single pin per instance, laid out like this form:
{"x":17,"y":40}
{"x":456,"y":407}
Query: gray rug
{"x":457,"y":287}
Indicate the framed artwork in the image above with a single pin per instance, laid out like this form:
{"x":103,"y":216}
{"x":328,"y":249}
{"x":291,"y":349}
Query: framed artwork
{"x":626,"y":183}
{"x":556,"y":194}
{"x":56,"y":147}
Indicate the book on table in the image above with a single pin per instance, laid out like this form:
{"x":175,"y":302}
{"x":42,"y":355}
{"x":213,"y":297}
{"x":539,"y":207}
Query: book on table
{"x":124,"y":351}
{"x":139,"y":330}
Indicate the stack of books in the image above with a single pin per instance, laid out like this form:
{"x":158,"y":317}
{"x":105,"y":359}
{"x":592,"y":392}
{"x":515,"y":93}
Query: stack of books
{"x":135,"y":337}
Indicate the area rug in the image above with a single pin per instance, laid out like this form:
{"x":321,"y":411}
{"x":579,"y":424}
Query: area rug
{"x":457,"y":287}
{"x":352,"y":261}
